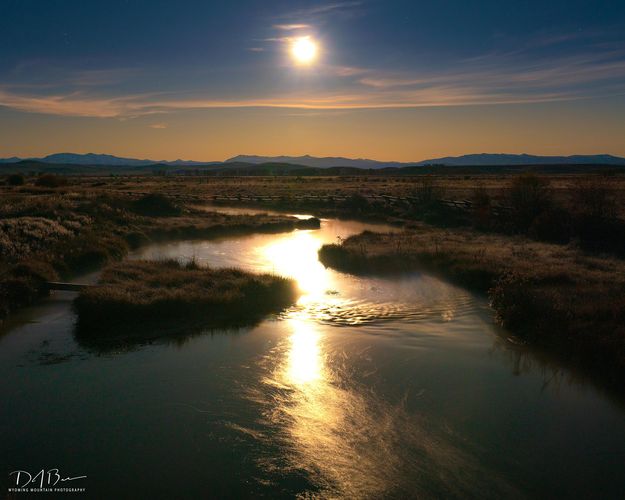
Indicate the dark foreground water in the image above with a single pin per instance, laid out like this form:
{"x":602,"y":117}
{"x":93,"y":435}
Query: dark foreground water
{"x":368,"y":388}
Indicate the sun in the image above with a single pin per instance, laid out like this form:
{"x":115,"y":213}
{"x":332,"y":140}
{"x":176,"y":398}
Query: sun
{"x":304,"y":50}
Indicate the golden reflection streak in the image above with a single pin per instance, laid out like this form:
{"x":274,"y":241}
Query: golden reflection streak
{"x":296,"y":257}
{"x":351,"y":443}
{"x":304,"y":363}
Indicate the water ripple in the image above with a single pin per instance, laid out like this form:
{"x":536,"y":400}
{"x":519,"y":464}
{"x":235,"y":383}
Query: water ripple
{"x":362,"y":312}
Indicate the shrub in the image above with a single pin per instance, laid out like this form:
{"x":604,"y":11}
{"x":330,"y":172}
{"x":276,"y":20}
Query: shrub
{"x":593,"y":197}
{"x":356,"y":203}
{"x":553,"y":225}
{"x":600,"y":234}
{"x":482,"y":212}
{"x":51,"y":181}
{"x":427,"y":191}
{"x":528,"y":197}
{"x":88,"y":251}
{"x":35,"y":270}
{"x":22,"y":284}
{"x":15,"y":180}
{"x":155,"y":205}
{"x":528,"y":308}
{"x":136,"y":238}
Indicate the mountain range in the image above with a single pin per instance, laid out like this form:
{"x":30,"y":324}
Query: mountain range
{"x":102,"y":159}
{"x":482,"y":159}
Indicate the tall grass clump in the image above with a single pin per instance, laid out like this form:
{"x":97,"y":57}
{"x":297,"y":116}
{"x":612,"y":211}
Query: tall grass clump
{"x":596,"y":221}
{"x":155,"y":205}
{"x":16,"y":180}
{"x":528,"y":197}
{"x":24,"y":283}
{"x":140,"y":293}
{"x":51,"y":181}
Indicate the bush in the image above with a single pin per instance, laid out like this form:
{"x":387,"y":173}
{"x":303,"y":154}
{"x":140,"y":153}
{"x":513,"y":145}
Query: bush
{"x":593,"y":197}
{"x":35,"y":270}
{"x":427,"y":191}
{"x":22,"y":284}
{"x":553,"y":225}
{"x":89,"y":250}
{"x":595,"y":216}
{"x":136,"y":238}
{"x":528,"y":197}
{"x":155,"y":205}
{"x":356,"y":203}
{"x":51,"y":181}
{"x":600,"y":234}
{"x":482,"y":212}
{"x":16,"y":180}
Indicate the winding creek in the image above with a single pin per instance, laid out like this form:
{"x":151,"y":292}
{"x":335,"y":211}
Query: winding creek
{"x":368,"y":388}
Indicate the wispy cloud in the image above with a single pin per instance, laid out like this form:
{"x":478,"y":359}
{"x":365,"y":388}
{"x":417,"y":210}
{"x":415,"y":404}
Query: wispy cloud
{"x":504,"y":72}
{"x":346,"y":71}
{"x":158,"y":125}
{"x":291,"y":27}
{"x":324,"y":9}
{"x":490,"y":79}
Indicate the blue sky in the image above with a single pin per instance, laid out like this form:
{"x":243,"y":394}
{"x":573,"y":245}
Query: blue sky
{"x":129,"y":73}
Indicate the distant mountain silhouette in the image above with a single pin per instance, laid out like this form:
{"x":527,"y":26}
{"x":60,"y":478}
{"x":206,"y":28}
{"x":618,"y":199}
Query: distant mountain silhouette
{"x":465,"y":160}
{"x":523,"y":159}
{"x":483,"y":159}
{"x":101,"y":159}
{"x":313,"y":161}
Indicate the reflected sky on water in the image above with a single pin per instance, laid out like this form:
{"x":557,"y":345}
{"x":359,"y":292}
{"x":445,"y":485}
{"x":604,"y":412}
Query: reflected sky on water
{"x":368,"y":387}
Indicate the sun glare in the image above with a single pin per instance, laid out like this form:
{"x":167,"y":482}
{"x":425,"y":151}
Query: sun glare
{"x":304,"y":50}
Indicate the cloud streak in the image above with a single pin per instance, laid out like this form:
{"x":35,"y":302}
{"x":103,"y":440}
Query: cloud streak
{"x":291,"y":27}
{"x":324,"y":10}
{"x":492,"y":79}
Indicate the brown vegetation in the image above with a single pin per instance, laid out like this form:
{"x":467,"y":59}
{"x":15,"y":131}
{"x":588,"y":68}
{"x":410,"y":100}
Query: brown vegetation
{"x":548,"y":248}
{"x":73,"y":230}
{"x":552,"y":295}
{"x":135,"y":296}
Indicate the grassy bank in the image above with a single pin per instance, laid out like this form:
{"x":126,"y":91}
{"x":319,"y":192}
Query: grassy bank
{"x":554,"y":296}
{"x":142,"y":298}
{"x":49,"y":235}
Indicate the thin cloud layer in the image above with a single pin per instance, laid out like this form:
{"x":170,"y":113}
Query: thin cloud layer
{"x":492,"y":79}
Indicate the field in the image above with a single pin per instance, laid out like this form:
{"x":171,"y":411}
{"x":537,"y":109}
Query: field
{"x":548,"y":249}
{"x":50,"y":232}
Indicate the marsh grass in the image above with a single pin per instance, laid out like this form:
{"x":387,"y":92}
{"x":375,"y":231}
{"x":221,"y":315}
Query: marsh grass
{"x":552,"y":295}
{"x":23,"y":284}
{"x":80,"y":230}
{"x":145,"y":298}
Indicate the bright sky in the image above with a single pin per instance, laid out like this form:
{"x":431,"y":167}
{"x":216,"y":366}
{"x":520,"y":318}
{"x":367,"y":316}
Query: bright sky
{"x":389,"y":80}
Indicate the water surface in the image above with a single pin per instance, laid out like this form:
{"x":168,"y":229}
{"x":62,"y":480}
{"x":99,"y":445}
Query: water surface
{"x":367,"y":388}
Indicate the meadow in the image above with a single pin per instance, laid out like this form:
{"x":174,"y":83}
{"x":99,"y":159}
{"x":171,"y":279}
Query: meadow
{"x":56,"y":232}
{"x":547,"y":249}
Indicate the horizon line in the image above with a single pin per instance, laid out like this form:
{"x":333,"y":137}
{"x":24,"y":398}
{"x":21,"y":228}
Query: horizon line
{"x":306,"y":155}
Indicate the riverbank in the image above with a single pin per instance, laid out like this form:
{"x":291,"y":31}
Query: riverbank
{"x":553,"y":296}
{"x":133,"y":297}
{"x":51,"y":235}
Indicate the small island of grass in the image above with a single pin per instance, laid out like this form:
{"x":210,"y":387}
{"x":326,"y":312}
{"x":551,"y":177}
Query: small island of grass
{"x":142,"y":298}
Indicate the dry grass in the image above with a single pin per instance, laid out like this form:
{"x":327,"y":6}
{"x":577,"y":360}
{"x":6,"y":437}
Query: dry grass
{"x":79,"y":228}
{"x":552,"y":295}
{"x":143,"y":296}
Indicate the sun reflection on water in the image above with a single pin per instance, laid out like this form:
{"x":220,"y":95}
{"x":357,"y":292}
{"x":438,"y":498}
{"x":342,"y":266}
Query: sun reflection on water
{"x":296,"y":257}
{"x":349,"y":442}
{"x":304,"y":364}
